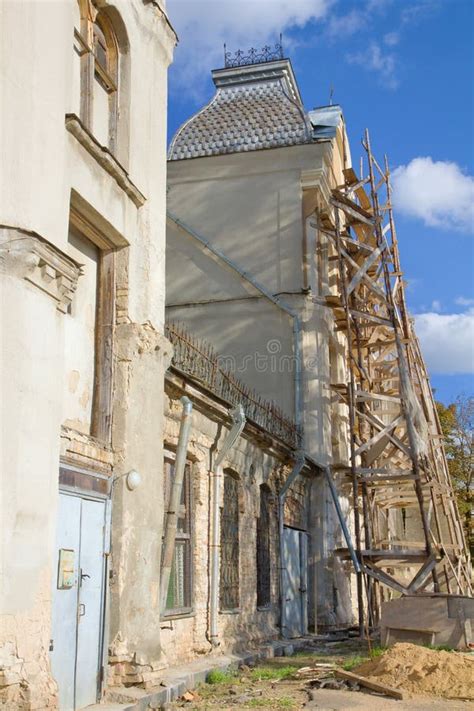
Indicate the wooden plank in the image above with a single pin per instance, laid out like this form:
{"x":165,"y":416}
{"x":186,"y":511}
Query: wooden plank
{"x":364,"y":395}
{"x":423,"y":573}
{"x":369,"y":684}
{"x":103,"y":376}
{"x":387,"y":479}
{"x":350,"y":207}
{"x":384,"y":578}
{"x":373,"y":440}
{"x":363,"y":270}
{"x":371,"y":317}
{"x":395,"y":555}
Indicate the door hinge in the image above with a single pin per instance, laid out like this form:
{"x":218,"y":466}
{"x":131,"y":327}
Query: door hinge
{"x":51,"y":645}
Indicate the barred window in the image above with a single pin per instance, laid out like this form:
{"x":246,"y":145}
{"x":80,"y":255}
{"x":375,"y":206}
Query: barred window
{"x":263,"y":548}
{"x":179,"y":598}
{"x":229,"y":570}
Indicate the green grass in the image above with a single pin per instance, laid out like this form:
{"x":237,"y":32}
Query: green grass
{"x":357,"y":659}
{"x":285,"y":702}
{"x":220,"y":676}
{"x":354,"y":661}
{"x":271,"y":673}
{"x":440,"y":647}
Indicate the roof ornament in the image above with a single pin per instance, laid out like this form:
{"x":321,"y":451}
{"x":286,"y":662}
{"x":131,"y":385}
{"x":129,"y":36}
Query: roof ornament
{"x":253,"y":56}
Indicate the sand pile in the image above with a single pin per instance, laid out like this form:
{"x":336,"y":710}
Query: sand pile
{"x":422,"y":671}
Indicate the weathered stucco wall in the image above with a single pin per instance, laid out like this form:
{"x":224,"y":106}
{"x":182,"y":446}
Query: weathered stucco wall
{"x":254,"y":339}
{"x":249,"y":206}
{"x":45,"y":167}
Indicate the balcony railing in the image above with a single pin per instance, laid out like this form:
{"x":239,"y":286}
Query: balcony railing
{"x":197,"y":360}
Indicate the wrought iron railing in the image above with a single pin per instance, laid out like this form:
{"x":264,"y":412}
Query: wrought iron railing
{"x":253,"y":56}
{"x":197,"y":360}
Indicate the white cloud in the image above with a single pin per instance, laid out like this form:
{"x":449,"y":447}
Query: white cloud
{"x":462,"y":301}
{"x":391,"y":39}
{"x":343,"y":26}
{"x":437,"y":192}
{"x":204,"y":25}
{"x":377,"y":60}
{"x":447,"y":341}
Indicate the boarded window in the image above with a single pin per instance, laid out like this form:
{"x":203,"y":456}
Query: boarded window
{"x":263,"y":548}
{"x":179,"y":600}
{"x":229,"y":570}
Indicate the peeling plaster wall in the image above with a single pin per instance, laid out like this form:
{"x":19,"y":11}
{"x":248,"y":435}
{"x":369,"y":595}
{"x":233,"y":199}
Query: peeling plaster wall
{"x":46,"y":164}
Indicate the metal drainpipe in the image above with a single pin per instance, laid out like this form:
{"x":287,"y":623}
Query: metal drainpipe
{"x":238,"y":419}
{"x":297,"y":467}
{"x":175,"y":498}
{"x":263,"y":290}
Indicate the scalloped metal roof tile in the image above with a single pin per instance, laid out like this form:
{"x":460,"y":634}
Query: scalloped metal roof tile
{"x":255,"y":107}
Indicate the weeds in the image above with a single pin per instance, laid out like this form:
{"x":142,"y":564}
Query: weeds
{"x":271,"y":673}
{"x":220,"y":676}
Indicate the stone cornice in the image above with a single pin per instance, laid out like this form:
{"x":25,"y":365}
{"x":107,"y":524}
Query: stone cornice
{"x":28,"y":256}
{"x":104,"y":158}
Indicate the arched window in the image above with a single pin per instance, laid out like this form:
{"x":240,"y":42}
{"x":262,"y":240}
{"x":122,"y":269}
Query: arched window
{"x":105,"y":85}
{"x":263,"y":548}
{"x":229,"y":568}
{"x":97,"y":47}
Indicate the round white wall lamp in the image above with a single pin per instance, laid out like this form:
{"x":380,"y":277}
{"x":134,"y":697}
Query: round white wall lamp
{"x":133,"y":480}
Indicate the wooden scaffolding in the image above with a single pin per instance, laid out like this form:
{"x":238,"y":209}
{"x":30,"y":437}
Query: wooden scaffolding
{"x":407,"y":531}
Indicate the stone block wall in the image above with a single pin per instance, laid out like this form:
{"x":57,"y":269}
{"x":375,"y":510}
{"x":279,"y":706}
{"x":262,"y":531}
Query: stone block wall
{"x":186,"y":638}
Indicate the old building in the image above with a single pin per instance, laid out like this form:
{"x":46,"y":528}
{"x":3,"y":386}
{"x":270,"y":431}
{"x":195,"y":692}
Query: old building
{"x":287,"y":262}
{"x":82,"y":241}
{"x":240,"y":455}
{"x":250,"y":179}
{"x":177,"y":489}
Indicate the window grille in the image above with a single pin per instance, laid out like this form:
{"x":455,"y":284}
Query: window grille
{"x":179,"y":598}
{"x":263,"y":548}
{"x":229,"y":570}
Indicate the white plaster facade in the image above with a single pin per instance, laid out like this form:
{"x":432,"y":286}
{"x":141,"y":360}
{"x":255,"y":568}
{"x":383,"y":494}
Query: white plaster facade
{"x":82,"y":218}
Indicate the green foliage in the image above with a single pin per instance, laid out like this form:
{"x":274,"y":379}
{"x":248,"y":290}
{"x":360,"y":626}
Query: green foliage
{"x":220,"y":676}
{"x":354,"y":661}
{"x":440,"y":647}
{"x":271,"y":673}
{"x":376,"y":652}
{"x":457,"y":424}
{"x":284,"y":702}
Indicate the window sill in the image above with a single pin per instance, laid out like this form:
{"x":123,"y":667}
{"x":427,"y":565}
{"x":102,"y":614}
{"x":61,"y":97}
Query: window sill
{"x":230,"y":612}
{"x":178,"y":616}
{"x":104,"y":158}
{"x":264,"y":608}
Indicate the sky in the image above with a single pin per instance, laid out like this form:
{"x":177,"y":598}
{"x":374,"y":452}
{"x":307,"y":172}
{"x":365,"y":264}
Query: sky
{"x":404,"y":69}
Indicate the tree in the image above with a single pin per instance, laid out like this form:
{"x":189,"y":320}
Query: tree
{"x":457,"y":423}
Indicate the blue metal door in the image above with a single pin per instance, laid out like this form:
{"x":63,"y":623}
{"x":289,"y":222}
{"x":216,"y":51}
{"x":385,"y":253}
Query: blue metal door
{"x":295,"y":555}
{"x":78,"y":586}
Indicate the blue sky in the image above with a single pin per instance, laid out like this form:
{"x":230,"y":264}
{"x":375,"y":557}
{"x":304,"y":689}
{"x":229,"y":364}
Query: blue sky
{"x":405,"y":70}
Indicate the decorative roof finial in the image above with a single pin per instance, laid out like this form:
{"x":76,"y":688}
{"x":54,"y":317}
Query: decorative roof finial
{"x":254,"y":56}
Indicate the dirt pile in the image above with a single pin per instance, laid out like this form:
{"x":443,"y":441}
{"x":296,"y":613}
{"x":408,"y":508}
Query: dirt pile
{"x":422,"y":671}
